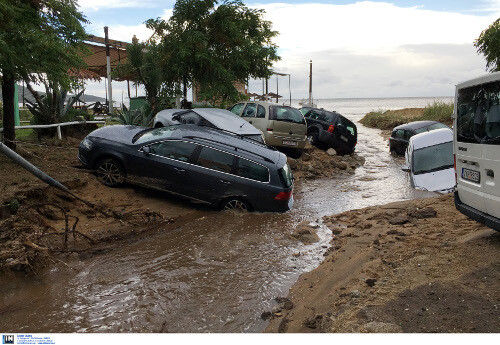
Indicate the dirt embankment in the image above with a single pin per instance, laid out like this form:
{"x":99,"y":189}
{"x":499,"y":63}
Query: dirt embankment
{"x":40,"y":225}
{"x":413,"y":266}
{"x":317,"y":163}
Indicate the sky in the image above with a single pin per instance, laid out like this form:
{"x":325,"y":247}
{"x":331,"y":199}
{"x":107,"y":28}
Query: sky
{"x":359,"y":49}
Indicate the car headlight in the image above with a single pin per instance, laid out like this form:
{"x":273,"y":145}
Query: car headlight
{"x":87,"y":143}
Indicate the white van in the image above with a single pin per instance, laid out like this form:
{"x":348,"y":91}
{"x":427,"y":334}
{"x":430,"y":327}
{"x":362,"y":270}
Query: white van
{"x":476,"y":134}
{"x":429,"y":160}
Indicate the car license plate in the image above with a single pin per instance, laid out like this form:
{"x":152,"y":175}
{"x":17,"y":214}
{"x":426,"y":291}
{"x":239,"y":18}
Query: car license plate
{"x":289,"y":143}
{"x":471,"y":175}
{"x":343,"y":138}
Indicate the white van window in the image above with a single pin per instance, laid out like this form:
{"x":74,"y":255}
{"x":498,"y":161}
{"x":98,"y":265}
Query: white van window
{"x":478,"y":114}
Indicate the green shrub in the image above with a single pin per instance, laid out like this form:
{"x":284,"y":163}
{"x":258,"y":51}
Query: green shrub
{"x":438,"y":111}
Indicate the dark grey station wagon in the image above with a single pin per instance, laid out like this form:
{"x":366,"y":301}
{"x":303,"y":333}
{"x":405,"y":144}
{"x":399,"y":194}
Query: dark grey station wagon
{"x":200,"y":163}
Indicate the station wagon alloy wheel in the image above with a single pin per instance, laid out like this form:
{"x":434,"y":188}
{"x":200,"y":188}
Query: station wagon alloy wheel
{"x":110,"y":173}
{"x":236,"y":204}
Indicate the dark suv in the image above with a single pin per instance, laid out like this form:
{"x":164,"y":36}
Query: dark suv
{"x":200,"y":163}
{"x":400,"y":136}
{"x":330,"y":129}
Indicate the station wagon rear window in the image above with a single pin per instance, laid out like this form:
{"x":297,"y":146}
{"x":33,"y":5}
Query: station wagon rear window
{"x":478,"y":114}
{"x":251,"y":170}
{"x":215,"y":160}
{"x":286,"y":114}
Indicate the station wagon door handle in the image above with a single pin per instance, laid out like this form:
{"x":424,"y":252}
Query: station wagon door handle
{"x":179,"y":169}
{"x":225,"y":182}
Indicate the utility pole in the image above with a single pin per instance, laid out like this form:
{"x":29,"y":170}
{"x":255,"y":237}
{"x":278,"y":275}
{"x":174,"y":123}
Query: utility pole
{"x":108,"y":64}
{"x":310,"y":82}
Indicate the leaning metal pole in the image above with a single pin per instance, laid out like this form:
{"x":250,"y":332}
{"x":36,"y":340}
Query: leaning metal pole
{"x":18,"y":159}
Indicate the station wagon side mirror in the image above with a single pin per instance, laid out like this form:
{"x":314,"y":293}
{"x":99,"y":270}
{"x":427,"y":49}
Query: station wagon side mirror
{"x":176,"y":117}
{"x":405,"y":168}
{"x":146,"y":151}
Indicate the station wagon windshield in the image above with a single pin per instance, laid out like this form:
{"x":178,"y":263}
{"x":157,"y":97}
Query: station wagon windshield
{"x":153,"y":134}
{"x":433,"y":158}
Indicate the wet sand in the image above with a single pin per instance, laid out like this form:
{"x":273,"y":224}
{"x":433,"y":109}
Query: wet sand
{"x":412,"y":266}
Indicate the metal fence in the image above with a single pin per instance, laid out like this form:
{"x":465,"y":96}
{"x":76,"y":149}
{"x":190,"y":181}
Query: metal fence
{"x":56,"y":125}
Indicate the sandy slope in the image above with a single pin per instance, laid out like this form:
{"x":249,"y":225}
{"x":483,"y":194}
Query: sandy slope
{"x":413,"y":266}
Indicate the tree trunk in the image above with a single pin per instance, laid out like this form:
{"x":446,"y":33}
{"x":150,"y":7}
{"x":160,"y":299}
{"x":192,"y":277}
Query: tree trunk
{"x":185,"y":90}
{"x":8,"y":89}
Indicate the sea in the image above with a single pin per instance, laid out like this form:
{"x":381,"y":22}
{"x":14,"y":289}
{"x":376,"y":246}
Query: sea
{"x":356,"y":108}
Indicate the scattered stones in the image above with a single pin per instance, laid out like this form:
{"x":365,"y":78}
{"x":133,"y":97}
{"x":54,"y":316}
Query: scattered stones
{"x":370,"y":282}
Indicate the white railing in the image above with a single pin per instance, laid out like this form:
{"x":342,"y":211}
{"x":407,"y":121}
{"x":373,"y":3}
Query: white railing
{"x":56,"y":125}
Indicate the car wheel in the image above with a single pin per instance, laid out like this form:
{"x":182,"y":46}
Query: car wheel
{"x":110,"y":172}
{"x":313,"y":138}
{"x":235,"y":204}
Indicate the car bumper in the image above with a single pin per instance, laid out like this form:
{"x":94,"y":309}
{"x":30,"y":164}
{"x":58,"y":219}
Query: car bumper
{"x":331,"y":140}
{"x":275,"y":140}
{"x":478,"y":216}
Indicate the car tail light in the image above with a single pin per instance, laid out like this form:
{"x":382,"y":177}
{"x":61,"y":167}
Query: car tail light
{"x":284,"y":195}
{"x":269,"y":129}
{"x":331,"y":128}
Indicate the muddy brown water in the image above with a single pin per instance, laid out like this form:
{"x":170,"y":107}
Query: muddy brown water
{"x":216,"y":273}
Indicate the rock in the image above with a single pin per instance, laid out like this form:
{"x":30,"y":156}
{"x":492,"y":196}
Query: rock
{"x":313,"y":225}
{"x":427,"y":212}
{"x":342,"y":165}
{"x":266,"y":315}
{"x":306,"y":157}
{"x":288,"y":305}
{"x":399,"y":220}
{"x":376,"y":242}
{"x":355,"y":294}
{"x":293,"y":163}
{"x":371,"y":282}
{"x":331,"y":152}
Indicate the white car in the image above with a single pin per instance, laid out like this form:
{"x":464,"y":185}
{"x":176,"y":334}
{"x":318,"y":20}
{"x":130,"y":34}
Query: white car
{"x":211,"y":117}
{"x":429,"y":160}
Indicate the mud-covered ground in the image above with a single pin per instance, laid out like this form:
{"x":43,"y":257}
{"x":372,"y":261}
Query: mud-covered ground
{"x":40,"y":225}
{"x":412,"y":266}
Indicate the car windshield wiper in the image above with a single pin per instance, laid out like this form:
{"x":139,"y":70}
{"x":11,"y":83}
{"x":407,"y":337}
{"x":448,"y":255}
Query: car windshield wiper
{"x":138,"y":135}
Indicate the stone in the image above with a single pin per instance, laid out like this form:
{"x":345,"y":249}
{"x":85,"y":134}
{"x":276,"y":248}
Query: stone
{"x":331,"y":152}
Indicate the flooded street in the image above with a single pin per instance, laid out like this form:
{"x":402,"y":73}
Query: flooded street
{"x":215,"y":272}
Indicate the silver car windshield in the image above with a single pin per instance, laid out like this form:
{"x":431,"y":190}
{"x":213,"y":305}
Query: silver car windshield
{"x":433,"y":158}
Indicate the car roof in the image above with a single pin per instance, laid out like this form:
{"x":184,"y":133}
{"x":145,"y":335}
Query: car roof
{"x":216,"y":138}
{"x":226,"y":120}
{"x":485,"y":78}
{"x":220,"y":118}
{"x":431,"y":138}
{"x":415,"y":125}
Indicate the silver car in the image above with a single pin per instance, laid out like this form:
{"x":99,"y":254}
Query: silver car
{"x":210,"y":117}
